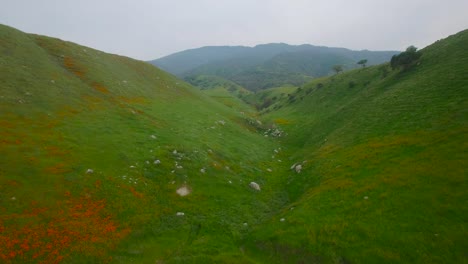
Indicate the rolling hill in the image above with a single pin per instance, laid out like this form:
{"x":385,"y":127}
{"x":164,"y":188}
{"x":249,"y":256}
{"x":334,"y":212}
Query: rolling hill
{"x":105,"y":159}
{"x":93,"y":148}
{"x":266,"y":66}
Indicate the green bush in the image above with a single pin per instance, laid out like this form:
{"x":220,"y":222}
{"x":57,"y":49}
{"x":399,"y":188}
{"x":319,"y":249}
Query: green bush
{"x":405,"y":59}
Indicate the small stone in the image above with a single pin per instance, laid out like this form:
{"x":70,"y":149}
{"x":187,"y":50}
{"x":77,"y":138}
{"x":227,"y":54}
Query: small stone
{"x":202,"y":170}
{"x":157,"y":162}
{"x":298,"y":168}
{"x":254,"y":186}
{"x":269,"y":170}
{"x":282,"y":220}
{"x":89,"y":171}
{"x":365,"y":197}
{"x":230,"y":182}
{"x":245,"y":224}
{"x":132,"y":167}
{"x":153,"y":136}
{"x":13,"y":198}
{"x":174,"y":152}
{"x":180,"y":214}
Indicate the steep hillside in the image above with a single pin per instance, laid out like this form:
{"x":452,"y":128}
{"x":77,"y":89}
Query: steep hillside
{"x":266,"y":66}
{"x":383,"y":156}
{"x":93,"y":148}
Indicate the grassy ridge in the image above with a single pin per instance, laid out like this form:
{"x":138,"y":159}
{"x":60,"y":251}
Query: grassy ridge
{"x":65,"y":109}
{"x":385,"y":177}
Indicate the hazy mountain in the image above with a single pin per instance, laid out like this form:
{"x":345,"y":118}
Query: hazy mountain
{"x":268,"y":65}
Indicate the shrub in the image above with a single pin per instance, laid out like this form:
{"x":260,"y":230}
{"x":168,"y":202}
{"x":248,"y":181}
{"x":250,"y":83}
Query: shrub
{"x":405,"y":59}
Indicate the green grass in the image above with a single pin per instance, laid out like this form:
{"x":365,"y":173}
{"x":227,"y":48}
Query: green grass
{"x":67,"y":108}
{"x":395,"y":138}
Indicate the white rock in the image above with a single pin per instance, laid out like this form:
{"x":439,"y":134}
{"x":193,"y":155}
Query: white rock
{"x":366,"y":197}
{"x":254,"y":186}
{"x":282,"y":219}
{"x":174,"y":152}
{"x":202,"y":170}
{"x":13,"y":198}
{"x":179,"y":167}
{"x":183,"y":191}
{"x":269,"y":170}
{"x":298,"y":168}
{"x":180,"y":214}
{"x":153,"y":136}
{"x":293,"y":166}
{"x":132,"y":167}
{"x":245,"y":224}
{"x":230,"y":182}
{"x":157,"y":162}
{"x":89,"y":171}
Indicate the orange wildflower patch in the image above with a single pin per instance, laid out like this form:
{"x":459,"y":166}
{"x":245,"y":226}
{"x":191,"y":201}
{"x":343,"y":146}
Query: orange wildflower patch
{"x":56,"y":151}
{"x":101,"y":88}
{"x":132,"y":100}
{"x":58,"y":168}
{"x":133,"y":191}
{"x":80,"y":226}
{"x":70,"y":64}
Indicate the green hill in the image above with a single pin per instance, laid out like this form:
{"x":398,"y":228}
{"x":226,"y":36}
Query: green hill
{"x":384,"y":175}
{"x":108,"y":159}
{"x":93,"y":148}
{"x":266,"y":66}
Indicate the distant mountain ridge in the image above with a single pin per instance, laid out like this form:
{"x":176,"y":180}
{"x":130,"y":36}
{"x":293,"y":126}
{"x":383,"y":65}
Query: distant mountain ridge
{"x":266,"y":65}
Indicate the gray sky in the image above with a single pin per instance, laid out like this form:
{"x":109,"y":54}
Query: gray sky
{"x":149,"y":29}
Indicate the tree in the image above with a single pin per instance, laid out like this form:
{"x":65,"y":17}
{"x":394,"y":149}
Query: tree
{"x":362,"y":62}
{"x":338,"y":68}
{"x":405,"y":59}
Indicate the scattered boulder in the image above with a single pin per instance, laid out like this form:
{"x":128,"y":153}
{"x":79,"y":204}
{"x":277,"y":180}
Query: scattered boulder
{"x":298,"y":168}
{"x":183,"y":191}
{"x":282,"y":220}
{"x":366,"y":197}
{"x":153,"y":136}
{"x":89,"y":171}
{"x":254,"y":186}
{"x":202,"y":170}
{"x":180,"y":214}
{"x":157,"y":162}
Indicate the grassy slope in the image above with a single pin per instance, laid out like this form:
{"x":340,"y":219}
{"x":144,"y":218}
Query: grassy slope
{"x":65,"y":109}
{"x":397,"y":139}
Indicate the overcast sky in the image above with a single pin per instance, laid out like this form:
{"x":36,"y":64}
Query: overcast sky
{"x":149,"y":29}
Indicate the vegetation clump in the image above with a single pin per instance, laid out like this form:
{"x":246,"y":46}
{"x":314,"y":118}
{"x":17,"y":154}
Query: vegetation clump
{"x":405,"y":59}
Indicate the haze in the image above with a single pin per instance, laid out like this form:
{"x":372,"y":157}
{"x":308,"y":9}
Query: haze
{"x":149,"y":29}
